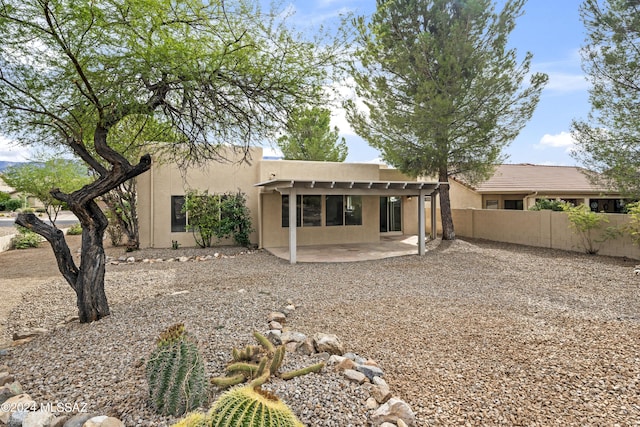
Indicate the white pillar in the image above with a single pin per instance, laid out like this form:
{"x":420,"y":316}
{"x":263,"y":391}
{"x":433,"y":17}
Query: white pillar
{"x":293,"y":220}
{"x":421,"y":224}
{"x":434,"y":217}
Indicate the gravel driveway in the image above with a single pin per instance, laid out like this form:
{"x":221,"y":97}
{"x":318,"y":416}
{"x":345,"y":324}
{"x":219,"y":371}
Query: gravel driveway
{"x":473,"y":333}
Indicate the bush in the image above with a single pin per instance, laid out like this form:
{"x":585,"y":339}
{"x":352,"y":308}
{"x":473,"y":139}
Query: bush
{"x":633,"y":228}
{"x":549,"y":205}
{"x":25,"y":239}
{"x":74,"y":230}
{"x":583,"y":222}
{"x":12,"y":205}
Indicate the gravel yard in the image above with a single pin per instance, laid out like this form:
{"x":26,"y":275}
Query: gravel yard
{"x":473,"y":333}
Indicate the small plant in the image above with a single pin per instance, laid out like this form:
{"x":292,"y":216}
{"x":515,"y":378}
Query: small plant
{"x":175,"y":244}
{"x":12,"y":205}
{"x":114,"y":230}
{"x":633,"y":227}
{"x":551,"y":205}
{"x":251,"y":407}
{"x":175,"y":373}
{"x":259,"y":363}
{"x":25,"y":239}
{"x":74,"y":230}
{"x":585,"y":222}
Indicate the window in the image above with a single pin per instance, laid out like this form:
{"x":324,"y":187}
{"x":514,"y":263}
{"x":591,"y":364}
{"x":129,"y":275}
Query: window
{"x":335,"y":211}
{"x":353,"y":210}
{"x":308,"y":211}
{"x":491,"y":204}
{"x":514,"y":205}
{"x":178,"y":218}
{"x":343,"y":210}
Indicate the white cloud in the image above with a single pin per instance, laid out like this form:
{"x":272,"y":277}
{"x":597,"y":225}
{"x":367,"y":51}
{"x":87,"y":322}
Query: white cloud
{"x":559,"y":140}
{"x":566,"y":82}
{"x":12,"y":152}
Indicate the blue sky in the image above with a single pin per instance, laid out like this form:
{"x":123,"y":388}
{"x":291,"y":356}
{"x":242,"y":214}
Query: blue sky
{"x":550,"y":29}
{"x":553,"y":32}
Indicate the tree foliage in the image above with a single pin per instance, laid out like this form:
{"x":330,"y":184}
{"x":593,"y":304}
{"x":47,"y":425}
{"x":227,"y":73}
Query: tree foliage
{"x":309,"y":137}
{"x":442,"y":93}
{"x":217,"y":215}
{"x":39,"y":178}
{"x":549,"y":205}
{"x":216,"y":73}
{"x":608,"y":142}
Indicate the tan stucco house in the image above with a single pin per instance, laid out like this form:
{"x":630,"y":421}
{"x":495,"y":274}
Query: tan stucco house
{"x":335,"y":202}
{"x":519,"y":186}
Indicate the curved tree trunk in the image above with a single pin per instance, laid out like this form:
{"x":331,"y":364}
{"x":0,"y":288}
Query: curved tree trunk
{"x":448,"y":232}
{"x":87,"y":280}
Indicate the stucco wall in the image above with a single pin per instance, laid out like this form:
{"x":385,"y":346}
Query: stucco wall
{"x":543,"y":229}
{"x":274,"y":235}
{"x":155,"y":188}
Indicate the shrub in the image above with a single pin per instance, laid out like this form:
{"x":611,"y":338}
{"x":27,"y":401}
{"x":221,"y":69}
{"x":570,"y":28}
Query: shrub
{"x":12,"y":205}
{"x":633,"y":228}
{"x":583,"y":222}
{"x":549,"y":205}
{"x":25,"y":239}
{"x":74,"y":230}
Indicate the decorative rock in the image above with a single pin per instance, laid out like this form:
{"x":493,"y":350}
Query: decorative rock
{"x":38,"y":419}
{"x":329,"y":343}
{"x":387,"y":425}
{"x":10,"y":390}
{"x":401,"y":423}
{"x":5,"y":378}
{"x":335,"y":359}
{"x":112,"y":422}
{"x":275,"y":336}
{"x":130,"y":260}
{"x":355,"y":376}
{"x":183,"y":259}
{"x":346,"y":364}
{"x":371,"y":404}
{"x":17,"y":419}
{"x":277,"y":317}
{"x":60,"y":421}
{"x":292,"y":346}
{"x":95,"y":421}
{"x":370,"y":371}
{"x":392,"y":411}
{"x":275,"y":325}
{"x":15,"y":402}
{"x":380,"y":391}
{"x":306,"y":347}
{"x":29,"y":334}
{"x":78,"y":420}
{"x":290,"y":336}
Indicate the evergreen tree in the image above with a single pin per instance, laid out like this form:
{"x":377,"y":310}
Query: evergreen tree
{"x":442,"y":93}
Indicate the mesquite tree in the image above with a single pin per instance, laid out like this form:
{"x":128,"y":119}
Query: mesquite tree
{"x":217,"y":72}
{"x":442,"y":93}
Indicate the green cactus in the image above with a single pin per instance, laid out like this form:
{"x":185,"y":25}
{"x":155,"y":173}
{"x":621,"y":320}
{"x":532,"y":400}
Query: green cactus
{"x":258,"y":363}
{"x":251,"y":407}
{"x":175,"y":373}
{"x":196,"y":419}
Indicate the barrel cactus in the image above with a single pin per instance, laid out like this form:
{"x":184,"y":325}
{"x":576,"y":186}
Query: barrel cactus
{"x":175,"y":373}
{"x":249,"y":406}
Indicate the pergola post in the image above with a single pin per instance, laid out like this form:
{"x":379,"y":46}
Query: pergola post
{"x":421,"y":224}
{"x":434,"y":217}
{"x":293,"y":220}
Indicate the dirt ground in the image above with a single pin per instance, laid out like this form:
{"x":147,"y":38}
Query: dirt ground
{"x":23,"y":270}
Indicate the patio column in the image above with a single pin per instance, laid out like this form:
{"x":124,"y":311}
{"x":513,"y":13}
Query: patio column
{"x":293,"y":244}
{"x":434,"y":217}
{"x":421,"y":224}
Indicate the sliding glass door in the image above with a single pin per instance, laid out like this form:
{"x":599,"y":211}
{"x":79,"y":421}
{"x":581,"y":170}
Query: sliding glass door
{"x":390,"y":214}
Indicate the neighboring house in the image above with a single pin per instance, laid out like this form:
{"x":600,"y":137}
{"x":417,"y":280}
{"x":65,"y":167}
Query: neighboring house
{"x":520,"y":186}
{"x":335,"y":202}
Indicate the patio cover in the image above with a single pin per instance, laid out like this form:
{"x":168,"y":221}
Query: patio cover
{"x":294,"y":187}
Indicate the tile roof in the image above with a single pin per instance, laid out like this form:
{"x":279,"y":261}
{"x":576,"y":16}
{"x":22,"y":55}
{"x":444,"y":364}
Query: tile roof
{"x":527,"y":178}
